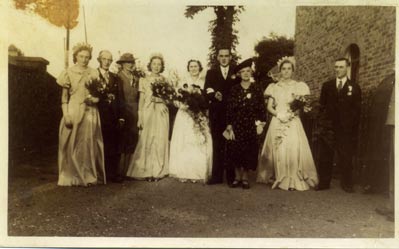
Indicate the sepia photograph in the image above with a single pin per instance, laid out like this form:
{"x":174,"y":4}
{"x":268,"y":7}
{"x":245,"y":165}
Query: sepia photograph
{"x":181,"y":124}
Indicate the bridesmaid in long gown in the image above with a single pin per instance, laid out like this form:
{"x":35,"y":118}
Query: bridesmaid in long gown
{"x":150,"y":160}
{"x":286,"y":150}
{"x":80,"y":152}
{"x":191,"y":148}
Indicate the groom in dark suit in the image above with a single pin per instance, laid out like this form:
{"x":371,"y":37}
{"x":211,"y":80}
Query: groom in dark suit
{"x":218,"y":82}
{"x":340,"y":100}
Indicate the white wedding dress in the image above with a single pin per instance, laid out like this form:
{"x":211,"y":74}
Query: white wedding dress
{"x":286,"y":154}
{"x":190,"y":149}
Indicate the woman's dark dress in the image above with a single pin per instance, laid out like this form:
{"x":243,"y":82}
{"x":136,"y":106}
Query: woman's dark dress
{"x":244,"y":108}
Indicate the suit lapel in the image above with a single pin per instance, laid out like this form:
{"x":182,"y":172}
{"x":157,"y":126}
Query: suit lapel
{"x":345,"y":87}
{"x":101,"y":75}
{"x":220,"y":73}
{"x":334,"y":89}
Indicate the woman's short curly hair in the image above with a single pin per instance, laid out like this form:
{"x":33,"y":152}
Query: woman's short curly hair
{"x":198,"y":62}
{"x":156,"y":56}
{"x":81,"y":47}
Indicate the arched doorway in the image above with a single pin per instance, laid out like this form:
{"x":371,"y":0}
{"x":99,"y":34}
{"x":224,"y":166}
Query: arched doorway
{"x":353,"y":55}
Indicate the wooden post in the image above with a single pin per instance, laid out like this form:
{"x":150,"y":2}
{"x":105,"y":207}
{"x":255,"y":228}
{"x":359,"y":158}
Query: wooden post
{"x":84,"y":20}
{"x":67,"y":49}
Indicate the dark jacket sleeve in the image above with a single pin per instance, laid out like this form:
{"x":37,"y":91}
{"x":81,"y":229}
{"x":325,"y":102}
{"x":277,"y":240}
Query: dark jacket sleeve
{"x":120,"y":98}
{"x":208,"y":84}
{"x":323,"y":95}
{"x":230,"y":107}
{"x":260,"y":104}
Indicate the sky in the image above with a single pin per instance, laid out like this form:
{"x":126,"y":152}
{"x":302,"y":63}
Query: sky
{"x":143,"y":28}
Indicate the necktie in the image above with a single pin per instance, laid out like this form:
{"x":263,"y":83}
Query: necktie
{"x":340,"y":85}
{"x":224,"y":73}
{"x":106,"y":76}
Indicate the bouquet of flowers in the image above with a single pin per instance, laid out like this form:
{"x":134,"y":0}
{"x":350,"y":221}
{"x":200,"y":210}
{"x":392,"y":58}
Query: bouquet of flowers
{"x":193,"y":98}
{"x":300,"y":103}
{"x":197,"y":106}
{"x":96,"y":87}
{"x":161,"y":89}
{"x":99,"y":89}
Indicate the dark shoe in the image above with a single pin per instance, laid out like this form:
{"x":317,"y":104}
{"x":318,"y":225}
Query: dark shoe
{"x":321,"y":187}
{"x":235,"y":184}
{"x":348,"y":189}
{"x":291,"y":189}
{"x":245,"y":184}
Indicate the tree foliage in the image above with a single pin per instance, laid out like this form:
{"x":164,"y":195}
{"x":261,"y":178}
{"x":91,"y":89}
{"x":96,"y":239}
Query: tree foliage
{"x":269,"y":50}
{"x":61,"y":13}
{"x":223,"y":33}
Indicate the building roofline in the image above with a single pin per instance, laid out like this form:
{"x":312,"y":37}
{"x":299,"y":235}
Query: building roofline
{"x":16,"y":60}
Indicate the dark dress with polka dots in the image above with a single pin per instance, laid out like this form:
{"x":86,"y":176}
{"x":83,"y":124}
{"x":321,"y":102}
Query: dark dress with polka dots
{"x":244,"y":108}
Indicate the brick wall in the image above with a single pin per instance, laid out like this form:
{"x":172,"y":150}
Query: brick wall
{"x":323,"y":33}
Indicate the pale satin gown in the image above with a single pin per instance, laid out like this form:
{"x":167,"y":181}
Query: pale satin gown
{"x":151,"y":157}
{"x":287,"y":161}
{"x":190,"y":149}
{"x":81,"y":149}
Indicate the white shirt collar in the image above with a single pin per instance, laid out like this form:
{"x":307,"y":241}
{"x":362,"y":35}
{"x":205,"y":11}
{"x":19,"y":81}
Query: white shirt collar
{"x":102,"y":71}
{"x":225,"y":68}
{"x":343,"y":81}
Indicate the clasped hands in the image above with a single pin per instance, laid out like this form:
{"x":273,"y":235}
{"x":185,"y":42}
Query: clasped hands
{"x":218,"y":95}
{"x":229,"y":133}
{"x":285,"y":117}
{"x":91,"y":100}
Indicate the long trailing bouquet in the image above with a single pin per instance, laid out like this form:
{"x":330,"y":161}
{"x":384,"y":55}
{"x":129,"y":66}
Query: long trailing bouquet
{"x":299,"y":104}
{"x":196,"y":105}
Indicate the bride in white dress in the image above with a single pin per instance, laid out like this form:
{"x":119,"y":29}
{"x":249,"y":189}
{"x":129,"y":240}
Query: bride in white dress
{"x":286,"y":155}
{"x":190,"y":148}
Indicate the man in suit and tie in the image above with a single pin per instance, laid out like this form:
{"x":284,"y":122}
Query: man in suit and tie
{"x":340,"y":99}
{"x":218,"y":83}
{"x":110,"y":115}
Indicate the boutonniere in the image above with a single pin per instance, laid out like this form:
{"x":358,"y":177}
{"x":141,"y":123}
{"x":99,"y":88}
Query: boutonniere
{"x":249,"y":95}
{"x":210,"y":90}
{"x":349,"y":90}
{"x":233,"y":76}
{"x":110,"y":98}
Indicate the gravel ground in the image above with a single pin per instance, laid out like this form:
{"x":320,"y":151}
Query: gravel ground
{"x":168,"y":208}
